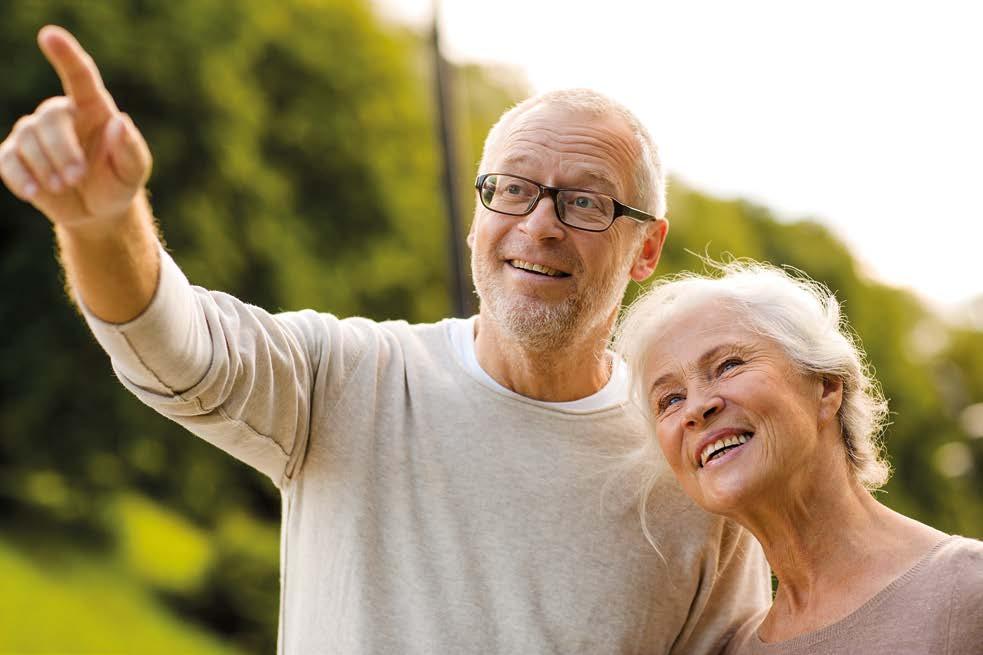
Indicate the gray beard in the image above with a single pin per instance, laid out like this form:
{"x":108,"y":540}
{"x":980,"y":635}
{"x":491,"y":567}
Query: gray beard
{"x":535,"y":326}
{"x":538,"y":326}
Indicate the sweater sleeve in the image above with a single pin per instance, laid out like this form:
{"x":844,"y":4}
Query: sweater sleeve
{"x":735,"y":585}
{"x":233,"y":374}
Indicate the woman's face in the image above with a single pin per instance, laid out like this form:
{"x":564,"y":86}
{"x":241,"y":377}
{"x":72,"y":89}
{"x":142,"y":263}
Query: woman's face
{"x":736,"y":420}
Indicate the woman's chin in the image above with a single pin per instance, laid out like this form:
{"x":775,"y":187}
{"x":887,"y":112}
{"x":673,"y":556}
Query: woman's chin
{"x":728,"y":488}
{"x":725,"y":503}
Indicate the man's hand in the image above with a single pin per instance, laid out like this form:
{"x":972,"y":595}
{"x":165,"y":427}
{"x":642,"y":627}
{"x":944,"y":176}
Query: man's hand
{"x":76,"y":158}
{"x":84,"y":164}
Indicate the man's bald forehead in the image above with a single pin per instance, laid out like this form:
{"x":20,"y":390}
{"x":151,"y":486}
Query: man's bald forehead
{"x":648,"y":177}
{"x":577,"y":176}
{"x":515,"y":117}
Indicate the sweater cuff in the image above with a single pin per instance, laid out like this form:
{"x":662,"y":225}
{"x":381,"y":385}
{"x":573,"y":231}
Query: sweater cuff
{"x":167,"y":348}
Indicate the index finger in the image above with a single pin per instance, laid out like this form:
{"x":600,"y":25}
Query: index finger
{"x":76,"y":69}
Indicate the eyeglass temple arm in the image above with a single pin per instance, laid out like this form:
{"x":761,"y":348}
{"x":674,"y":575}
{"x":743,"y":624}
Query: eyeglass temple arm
{"x":634,"y":214}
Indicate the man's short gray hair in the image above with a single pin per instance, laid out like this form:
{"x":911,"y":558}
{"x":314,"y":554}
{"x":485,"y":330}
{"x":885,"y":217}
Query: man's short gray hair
{"x":800,"y":315}
{"x":648,"y":176}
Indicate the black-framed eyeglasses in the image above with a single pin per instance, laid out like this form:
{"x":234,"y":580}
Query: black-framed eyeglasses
{"x":579,"y":208}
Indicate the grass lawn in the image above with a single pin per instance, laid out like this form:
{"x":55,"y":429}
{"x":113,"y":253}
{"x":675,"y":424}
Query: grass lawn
{"x":84,"y":605}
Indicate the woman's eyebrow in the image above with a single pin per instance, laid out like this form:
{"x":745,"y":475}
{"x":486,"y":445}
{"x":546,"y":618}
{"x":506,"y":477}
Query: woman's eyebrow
{"x":662,"y":379}
{"x":702,"y":360}
{"x":714,"y":352}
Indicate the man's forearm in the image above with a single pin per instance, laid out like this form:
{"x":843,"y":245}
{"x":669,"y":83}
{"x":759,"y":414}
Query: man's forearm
{"x":113,"y":266}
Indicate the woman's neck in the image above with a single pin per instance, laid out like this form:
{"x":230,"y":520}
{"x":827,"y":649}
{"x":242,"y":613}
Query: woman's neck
{"x":832,"y":548}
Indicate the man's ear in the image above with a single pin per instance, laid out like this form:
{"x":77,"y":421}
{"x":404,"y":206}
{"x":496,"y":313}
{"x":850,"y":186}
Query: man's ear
{"x":470,"y":239}
{"x":830,"y":400}
{"x":648,"y":257}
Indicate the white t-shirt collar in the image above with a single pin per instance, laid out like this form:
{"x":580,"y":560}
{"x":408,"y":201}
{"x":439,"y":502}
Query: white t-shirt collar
{"x":615,"y":392}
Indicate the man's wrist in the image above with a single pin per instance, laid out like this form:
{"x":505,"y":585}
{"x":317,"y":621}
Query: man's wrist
{"x":100,"y":229}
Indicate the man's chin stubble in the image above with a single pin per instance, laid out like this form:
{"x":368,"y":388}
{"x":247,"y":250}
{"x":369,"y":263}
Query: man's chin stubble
{"x":538,"y":326}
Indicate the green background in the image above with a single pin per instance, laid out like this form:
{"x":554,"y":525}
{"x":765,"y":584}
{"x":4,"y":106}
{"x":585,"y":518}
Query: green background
{"x":296,"y":166}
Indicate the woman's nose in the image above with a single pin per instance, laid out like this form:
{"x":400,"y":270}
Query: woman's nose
{"x":705,"y":408}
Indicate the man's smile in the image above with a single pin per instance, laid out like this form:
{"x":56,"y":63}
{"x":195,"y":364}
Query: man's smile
{"x":540,"y":269}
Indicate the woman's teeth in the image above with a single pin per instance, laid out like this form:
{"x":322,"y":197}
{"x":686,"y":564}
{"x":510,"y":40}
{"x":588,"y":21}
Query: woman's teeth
{"x":721,"y":446}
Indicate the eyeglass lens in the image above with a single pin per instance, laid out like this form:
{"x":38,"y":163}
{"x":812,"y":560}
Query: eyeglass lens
{"x":516,"y":196}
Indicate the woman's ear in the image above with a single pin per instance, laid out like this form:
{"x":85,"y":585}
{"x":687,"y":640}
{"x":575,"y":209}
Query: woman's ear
{"x":830,"y":400}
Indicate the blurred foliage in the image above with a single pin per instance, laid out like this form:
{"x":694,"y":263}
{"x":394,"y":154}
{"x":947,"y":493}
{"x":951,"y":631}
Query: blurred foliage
{"x":80,"y":604}
{"x":159,"y":546}
{"x":296,"y":166}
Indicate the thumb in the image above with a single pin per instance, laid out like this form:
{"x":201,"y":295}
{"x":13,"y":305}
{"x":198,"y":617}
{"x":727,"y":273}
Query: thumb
{"x":128,"y":154}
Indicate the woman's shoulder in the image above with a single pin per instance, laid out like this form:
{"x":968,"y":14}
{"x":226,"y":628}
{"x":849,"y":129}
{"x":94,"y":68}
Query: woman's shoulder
{"x":965,"y":544}
{"x":963,"y":559}
{"x":960,"y":553}
{"x":954,"y":565}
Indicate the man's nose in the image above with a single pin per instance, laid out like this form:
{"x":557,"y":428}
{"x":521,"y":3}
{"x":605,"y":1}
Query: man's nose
{"x":542,"y":222}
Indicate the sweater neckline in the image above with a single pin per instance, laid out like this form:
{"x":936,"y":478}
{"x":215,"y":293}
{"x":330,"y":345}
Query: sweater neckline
{"x":859,"y":614}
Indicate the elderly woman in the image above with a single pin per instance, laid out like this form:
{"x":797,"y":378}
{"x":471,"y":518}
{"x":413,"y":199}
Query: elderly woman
{"x":764,"y":408}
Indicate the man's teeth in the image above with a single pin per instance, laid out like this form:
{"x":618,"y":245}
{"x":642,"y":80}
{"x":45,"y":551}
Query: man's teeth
{"x":538,"y":268}
{"x":721,"y":445}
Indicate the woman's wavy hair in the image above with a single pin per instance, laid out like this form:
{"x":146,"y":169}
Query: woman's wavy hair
{"x":799,"y":314}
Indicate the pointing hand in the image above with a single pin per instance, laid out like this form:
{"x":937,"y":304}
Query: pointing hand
{"x":77,"y":158}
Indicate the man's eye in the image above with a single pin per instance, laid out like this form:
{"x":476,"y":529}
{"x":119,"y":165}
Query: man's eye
{"x":514,"y":189}
{"x":584,"y":202}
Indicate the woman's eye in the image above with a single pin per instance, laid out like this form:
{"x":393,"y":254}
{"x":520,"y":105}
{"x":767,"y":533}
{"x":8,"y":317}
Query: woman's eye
{"x":669,"y":400}
{"x":729,"y":364}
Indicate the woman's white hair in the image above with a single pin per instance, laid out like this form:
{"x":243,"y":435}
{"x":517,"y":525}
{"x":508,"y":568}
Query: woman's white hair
{"x":799,"y":314}
{"x":648,"y":176}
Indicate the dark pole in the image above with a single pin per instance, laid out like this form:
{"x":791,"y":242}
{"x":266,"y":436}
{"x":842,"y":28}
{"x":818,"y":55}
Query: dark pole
{"x":460,"y":286}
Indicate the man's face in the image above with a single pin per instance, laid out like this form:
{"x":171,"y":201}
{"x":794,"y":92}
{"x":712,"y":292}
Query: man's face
{"x":581,"y":275}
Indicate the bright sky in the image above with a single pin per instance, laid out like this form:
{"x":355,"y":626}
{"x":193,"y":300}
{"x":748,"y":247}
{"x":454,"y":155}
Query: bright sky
{"x":865,"y":115}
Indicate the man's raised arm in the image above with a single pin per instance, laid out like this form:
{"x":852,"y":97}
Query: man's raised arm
{"x":84,"y":164}
{"x":231,"y":373}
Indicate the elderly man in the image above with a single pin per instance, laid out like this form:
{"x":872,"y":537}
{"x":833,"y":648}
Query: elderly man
{"x":446,"y":488}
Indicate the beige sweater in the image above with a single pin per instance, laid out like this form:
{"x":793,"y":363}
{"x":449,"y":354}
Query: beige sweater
{"x":424,"y":512}
{"x":936,"y":608}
